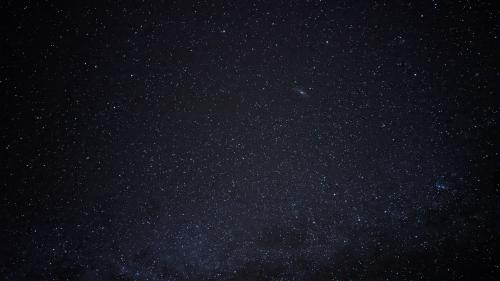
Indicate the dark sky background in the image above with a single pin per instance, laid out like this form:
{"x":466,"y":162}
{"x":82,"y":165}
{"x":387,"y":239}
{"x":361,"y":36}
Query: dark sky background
{"x":249,"y":140}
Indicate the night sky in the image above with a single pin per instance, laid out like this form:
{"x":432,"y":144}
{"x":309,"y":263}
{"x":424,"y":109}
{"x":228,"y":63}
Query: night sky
{"x":250,"y":140}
